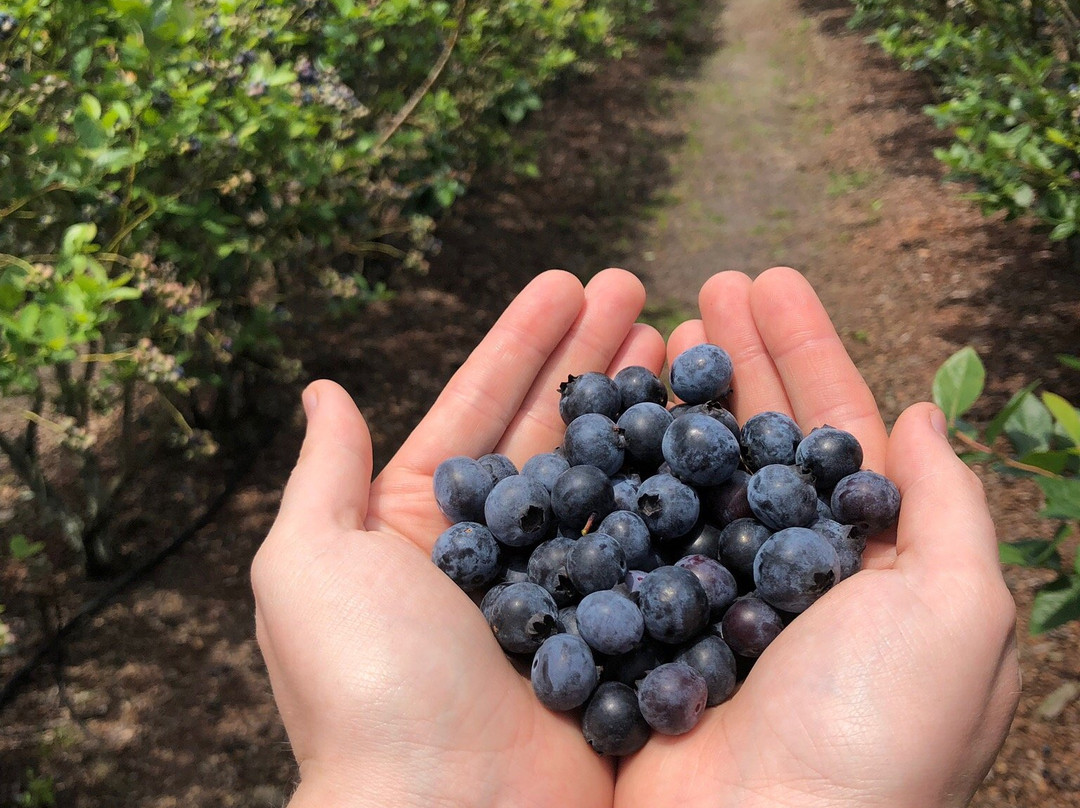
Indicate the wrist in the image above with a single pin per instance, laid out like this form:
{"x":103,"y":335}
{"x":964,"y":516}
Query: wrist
{"x":316,"y":793}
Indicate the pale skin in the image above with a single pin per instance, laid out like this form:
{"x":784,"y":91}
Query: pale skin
{"x":895,"y":689}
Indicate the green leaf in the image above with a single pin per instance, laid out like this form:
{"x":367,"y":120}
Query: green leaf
{"x":1030,"y":427}
{"x":91,"y":106}
{"x":1054,"y":461}
{"x":1069,"y":361}
{"x":1062,"y":230}
{"x":1062,"y":498}
{"x":1024,"y":196}
{"x":122,"y":293}
{"x":1055,"y":604}
{"x":959,"y":382}
{"x":21,"y":549}
{"x":1030,"y":553}
{"x":1065,"y":414}
{"x":78,"y":236}
{"x":996,"y":425}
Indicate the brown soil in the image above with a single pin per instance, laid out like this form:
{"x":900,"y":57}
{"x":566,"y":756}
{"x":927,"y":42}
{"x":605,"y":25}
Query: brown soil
{"x":758,"y":134}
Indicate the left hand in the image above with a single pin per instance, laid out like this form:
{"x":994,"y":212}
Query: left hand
{"x":391,"y":687}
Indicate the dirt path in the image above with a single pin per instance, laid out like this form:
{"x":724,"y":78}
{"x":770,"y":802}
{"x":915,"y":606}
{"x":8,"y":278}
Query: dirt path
{"x":765,"y":133}
{"x":747,"y":192}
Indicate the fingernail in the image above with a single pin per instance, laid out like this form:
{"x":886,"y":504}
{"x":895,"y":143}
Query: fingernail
{"x":311,"y":401}
{"x":937,"y":421}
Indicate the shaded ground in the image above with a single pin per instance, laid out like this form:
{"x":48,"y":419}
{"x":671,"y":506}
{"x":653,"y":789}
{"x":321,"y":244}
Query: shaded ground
{"x":763,"y":134}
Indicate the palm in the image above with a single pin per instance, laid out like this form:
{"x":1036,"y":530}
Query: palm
{"x":363,"y":595}
{"x":845,"y":692}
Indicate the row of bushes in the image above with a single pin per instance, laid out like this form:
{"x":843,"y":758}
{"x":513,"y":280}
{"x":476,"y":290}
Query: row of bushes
{"x":1009,"y":77}
{"x":175,"y":172}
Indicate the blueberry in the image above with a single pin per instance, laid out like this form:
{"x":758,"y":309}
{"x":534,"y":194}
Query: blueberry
{"x":545,"y":467}
{"x":782,"y":496}
{"x":515,"y":568}
{"x":867,"y":500}
{"x":612,"y":723}
{"x":716,"y":409}
{"x":630,"y":531}
{"x":461,"y":487}
{"x":631,"y":667}
{"x":700,"y":450}
{"x":701,"y":373}
{"x":848,"y":545}
{"x":568,"y":619}
{"x":582,"y":493}
{"x":518,"y":511}
{"x":749,"y":625}
{"x":522,"y":617}
{"x":547,"y":567}
{"x":704,"y":540}
{"x":769,"y":438}
{"x":594,"y":562}
{"x":643,"y":426}
{"x":829,"y":454}
{"x":634,"y":578}
{"x":593,"y":439}
{"x":824,"y":511}
{"x":489,"y":598}
{"x":674,"y":604}
{"x":563,"y":672}
{"x":589,"y":392}
{"x":717,"y":581}
{"x":637,"y":385}
{"x":724,"y":503}
{"x":610,"y":623}
{"x":669,"y":507}
{"x":468,"y":553}
{"x":624,"y":488}
{"x":499,"y":466}
{"x":713,"y":659}
{"x":738,"y":545}
{"x":794,"y":568}
{"x":679,"y":410}
{"x":672,"y":698}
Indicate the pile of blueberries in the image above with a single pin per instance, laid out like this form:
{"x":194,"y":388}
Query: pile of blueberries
{"x":642,"y":566}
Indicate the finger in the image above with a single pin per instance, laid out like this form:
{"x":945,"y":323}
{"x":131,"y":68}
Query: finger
{"x":482,"y":398}
{"x":822,"y":383}
{"x":725,"y":310}
{"x":684,"y":336}
{"x":945,"y":526}
{"x":613,"y":300}
{"x":643,"y":347}
{"x":329,"y":486}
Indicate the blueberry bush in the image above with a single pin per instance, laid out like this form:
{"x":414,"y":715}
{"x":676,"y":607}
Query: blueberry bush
{"x":178,"y":174}
{"x":1036,"y":436}
{"x":1008,"y":74}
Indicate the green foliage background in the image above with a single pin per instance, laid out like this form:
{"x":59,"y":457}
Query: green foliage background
{"x":177,"y":172}
{"x":1008,"y":73}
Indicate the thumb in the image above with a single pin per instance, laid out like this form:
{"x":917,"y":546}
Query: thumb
{"x":329,"y":486}
{"x":945,"y":526}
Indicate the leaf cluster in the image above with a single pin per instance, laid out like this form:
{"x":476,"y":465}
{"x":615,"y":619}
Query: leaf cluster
{"x":1008,"y":74}
{"x":1042,"y":433}
{"x":178,"y":172}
